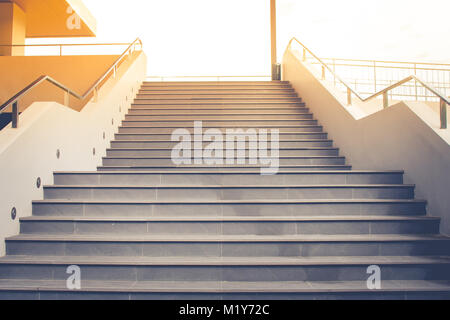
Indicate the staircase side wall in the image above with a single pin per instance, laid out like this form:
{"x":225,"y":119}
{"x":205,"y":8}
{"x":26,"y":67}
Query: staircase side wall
{"x":404,"y":136}
{"x":30,"y":151}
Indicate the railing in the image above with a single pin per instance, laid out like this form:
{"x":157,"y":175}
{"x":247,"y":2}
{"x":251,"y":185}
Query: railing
{"x":208,"y":78}
{"x":306,"y":54}
{"x":14,"y":101}
{"x":367,"y":76}
{"x":60,"y":46}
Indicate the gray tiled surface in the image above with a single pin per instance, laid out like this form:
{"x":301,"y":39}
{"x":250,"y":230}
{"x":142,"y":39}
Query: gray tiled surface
{"x":197,"y":232}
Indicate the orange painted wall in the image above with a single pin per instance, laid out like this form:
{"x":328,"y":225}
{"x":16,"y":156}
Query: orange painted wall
{"x":12,"y":28}
{"x":75,"y":72}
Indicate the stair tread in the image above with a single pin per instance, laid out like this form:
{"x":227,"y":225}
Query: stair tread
{"x":341,"y":218}
{"x":159,"y":141}
{"x":229,"y":186}
{"x":169,"y":149}
{"x":280,"y":157}
{"x":227,"y":287}
{"x":229,"y":238}
{"x":238,"y":172}
{"x":157,"y":169}
{"x":223,"y":261}
{"x":240,"y":201}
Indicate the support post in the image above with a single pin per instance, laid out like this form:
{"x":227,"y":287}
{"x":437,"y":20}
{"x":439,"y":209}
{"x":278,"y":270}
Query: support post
{"x":349,"y":97}
{"x":66,"y":98}
{"x":273,"y":38}
{"x":15,"y":115}
{"x":385,"y":100}
{"x":443,"y":114}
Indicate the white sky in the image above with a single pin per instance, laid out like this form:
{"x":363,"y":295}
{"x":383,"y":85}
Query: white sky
{"x":231,"y":37}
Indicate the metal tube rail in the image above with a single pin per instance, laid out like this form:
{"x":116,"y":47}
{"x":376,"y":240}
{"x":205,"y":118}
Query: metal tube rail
{"x":94,"y":88}
{"x":444,"y":101}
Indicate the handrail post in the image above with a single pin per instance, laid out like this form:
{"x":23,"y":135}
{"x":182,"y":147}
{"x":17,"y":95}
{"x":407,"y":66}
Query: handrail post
{"x":304,"y":54}
{"x":323,"y":72}
{"x":66,"y":98}
{"x":443,"y":114}
{"x":349,"y":96}
{"x":15,"y":115}
{"x":95,"y":94}
{"x":385,"y":100}
{"x":415,"y":82}
{"x":60,"y":50}
{"x":375,"y":75}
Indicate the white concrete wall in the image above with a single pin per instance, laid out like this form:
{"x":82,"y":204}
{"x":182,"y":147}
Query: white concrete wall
{"x":29,"y":152}
{"x":404,"y":136}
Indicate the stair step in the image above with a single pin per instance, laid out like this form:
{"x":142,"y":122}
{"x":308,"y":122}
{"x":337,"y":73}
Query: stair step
{"x":168,"y":152}
{"x":246,"y":225}
{"x":218,"y":123}
{"x":259,"y":207}
{"x":220,"y":102}
{"x":167,"y":137}
{"x":228,"y":246}
{"x":215,"y":192}
{"x":225,"y":268}
{"x":222,"y":91}
{"x":236,"y":177}
{"x":220,"y":112}
{"x":218,"y":290}
{"x":194,"y":96}
{"x":168,"y":161}
{"x":170,"y":143}
{"x":257,"y":169}
{"x":266,"y":107}
{"x":222,"y":128}
{"x":218,"y":117}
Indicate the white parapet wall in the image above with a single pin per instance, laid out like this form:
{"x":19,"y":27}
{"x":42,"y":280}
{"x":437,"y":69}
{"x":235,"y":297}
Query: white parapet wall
{"x":405,"y":136}
{"x":47,"y":129}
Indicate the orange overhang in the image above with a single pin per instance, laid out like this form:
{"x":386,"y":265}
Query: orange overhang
{"x":57,"y":18}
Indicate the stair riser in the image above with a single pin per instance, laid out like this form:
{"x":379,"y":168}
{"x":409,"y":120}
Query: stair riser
{"x":232,"y":107}
{"x":224,"y":92}
{"x":58,"y":295}
{"x":169,"y":162}
{"x":168,"y":152}
{"x":211,"y":123}
{"x":217,"y":87}
{"x":230,"y":228}
{"x":174,"y":210}
{"x":239,"y":249}
{"x":203,"y":101}
{"x":314,"y":168}
{"x":171,"y":144}
{"x":266,"y":112}
{"x":218,"y":117}
{"x":227,"y":194}
{"x":170,"y":130}
{"x":226,"y":273}
{"x":197,"y":96}
{"x":167,"y":137}
{"x":226,"y":179}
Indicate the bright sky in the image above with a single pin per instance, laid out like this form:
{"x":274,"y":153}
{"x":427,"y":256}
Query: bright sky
{"x":231,"y":37}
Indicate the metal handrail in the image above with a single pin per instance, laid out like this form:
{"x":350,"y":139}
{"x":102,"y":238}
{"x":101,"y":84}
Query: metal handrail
{"x":94,"y":88}
{"x":61,"y":45}
{"x":444,"y":101}
{"x":390,"y":62}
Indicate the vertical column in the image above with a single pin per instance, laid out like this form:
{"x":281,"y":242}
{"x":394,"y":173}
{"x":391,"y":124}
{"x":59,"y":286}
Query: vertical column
{"x":12,"y":28}
{"x":273,"y":37}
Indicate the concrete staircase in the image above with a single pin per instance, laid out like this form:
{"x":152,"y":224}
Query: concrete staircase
{"x":140,"y":227}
